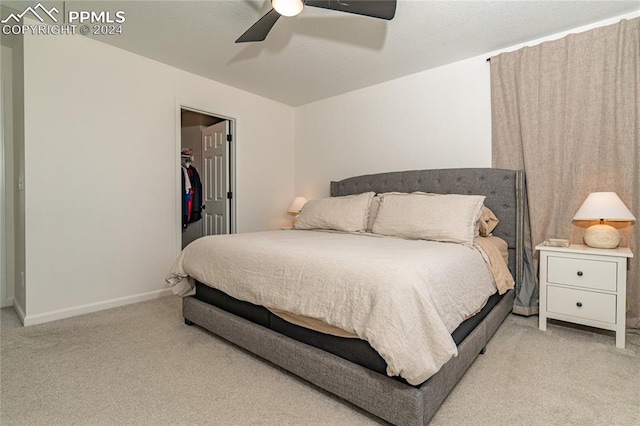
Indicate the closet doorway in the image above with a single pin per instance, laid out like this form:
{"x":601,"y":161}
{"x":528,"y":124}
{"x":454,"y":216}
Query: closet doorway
{"x":207,"y":174}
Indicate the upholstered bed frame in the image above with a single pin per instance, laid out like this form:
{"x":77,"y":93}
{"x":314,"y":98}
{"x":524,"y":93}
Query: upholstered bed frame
{"x":390,"y":399}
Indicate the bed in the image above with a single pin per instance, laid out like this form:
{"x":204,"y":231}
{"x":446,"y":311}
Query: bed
{"x":352,"y":368}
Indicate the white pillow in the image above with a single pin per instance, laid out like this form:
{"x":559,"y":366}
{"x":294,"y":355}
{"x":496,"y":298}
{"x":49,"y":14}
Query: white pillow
{"x":373,"y":212}
{"x":348,"y":213}
{"x":450,"y":217}
{"x":375,"y":205}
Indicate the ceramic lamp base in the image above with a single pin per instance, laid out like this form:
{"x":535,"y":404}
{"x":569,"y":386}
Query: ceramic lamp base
{"x":602,"y":236}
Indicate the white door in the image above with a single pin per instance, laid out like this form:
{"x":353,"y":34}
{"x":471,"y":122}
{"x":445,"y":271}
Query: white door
{"x":215,"y":182}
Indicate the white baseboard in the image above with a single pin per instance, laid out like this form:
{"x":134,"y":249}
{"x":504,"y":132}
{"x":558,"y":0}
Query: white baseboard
{"x":91,"y":307}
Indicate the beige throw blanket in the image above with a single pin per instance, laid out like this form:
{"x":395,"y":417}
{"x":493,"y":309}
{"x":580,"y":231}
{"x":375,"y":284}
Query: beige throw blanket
{"x":404,"y":297}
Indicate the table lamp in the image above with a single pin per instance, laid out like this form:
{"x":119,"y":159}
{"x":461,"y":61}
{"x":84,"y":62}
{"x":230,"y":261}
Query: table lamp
{"x":296,"y":205}
{"x":603,"y":206}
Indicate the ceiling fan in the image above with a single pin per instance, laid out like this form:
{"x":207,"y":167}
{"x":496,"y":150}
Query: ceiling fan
{"x":382,"y":9}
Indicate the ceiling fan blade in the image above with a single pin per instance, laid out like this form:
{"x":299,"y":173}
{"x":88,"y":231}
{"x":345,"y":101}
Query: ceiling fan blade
{"x":383,"y":9}
{"x":260,"y":29}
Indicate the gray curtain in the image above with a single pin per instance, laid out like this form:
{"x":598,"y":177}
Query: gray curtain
{"x":567,"y":113}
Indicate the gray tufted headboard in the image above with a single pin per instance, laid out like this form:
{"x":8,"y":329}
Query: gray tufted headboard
{"x":504,"y":191}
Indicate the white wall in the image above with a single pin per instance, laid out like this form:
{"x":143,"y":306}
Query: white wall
{"x":435,"y":119}
{"x":439,"y":118}
{"x":101,"y":169}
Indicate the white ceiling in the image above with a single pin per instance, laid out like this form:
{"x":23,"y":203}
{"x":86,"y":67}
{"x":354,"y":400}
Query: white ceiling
{"x":323,"y":53}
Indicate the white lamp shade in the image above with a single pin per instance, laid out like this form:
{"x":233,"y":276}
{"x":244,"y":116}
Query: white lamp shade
{"x":297,"y":204}
{"x":605,"y":206}
{"x":288,"y":7}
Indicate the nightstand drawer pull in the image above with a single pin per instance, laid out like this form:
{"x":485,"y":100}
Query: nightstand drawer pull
{"x":579,"y":273}
{"x":579,"y":304}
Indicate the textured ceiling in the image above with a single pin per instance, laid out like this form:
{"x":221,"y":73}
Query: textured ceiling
{"x":323,"y":53}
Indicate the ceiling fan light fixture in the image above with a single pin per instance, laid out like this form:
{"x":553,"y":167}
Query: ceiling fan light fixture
{"x":288,"y":7}
{"x":382,"y":9}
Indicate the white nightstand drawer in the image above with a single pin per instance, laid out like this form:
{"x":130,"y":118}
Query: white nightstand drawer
{"x":596,"y":274}
{"x":582,"y":304}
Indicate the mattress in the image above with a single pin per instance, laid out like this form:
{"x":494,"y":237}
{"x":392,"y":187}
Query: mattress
{"x":357,"y":351}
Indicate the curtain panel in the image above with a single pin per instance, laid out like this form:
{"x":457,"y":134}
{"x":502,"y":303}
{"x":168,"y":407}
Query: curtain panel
{"x":567,"y":113}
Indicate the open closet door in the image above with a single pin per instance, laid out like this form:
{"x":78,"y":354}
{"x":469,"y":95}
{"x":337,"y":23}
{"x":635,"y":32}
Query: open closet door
{"x":215,"y":184}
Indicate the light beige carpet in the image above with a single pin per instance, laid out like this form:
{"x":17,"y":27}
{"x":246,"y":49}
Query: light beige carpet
{"x":140,"y":365}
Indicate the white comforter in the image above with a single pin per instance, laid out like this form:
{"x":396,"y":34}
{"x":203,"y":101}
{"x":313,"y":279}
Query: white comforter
{"x":404,"y":297}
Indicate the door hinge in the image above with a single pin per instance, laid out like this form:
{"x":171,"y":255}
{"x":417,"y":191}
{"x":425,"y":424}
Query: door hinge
{"x":229,"y":195}
{"x":229,"y":138}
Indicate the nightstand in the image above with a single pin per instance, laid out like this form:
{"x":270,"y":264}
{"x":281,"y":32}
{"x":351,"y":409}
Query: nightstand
{"x":584,"y":285}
